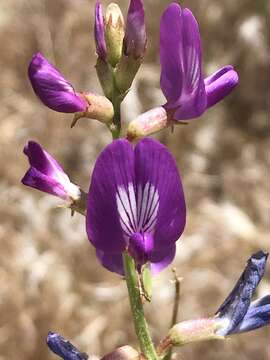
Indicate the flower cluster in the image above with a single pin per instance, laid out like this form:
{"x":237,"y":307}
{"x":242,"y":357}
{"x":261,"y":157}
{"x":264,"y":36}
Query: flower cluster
{"x":135,"y":208}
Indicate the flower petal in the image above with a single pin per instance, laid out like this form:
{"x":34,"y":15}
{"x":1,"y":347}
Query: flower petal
{"x":160,"y":203}
{"x":110,"y":200}
{"x":64,"y":348}
{"x":111,"y":261}
{"x":41,"y":160}
{"x":39,"y":181}
{"x":258,"y":315}
{"x":161,"y":259}
{"x":45,"y":174}
{"x":135,"y":36}
{"x":236,"y":305}
{"x":192,"y":100}
{"x":171,"y":28}
{"x":100,"y":32}
{"x":52,"y":88}
{"x":180,"y":57}
{"x":220,"y":84}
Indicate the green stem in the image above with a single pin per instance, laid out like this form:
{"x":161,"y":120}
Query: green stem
{"x":141,"y":327}
{"x":116,"y":127}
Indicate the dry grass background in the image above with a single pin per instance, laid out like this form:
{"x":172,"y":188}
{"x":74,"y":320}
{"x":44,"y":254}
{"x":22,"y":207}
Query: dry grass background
{"x":49,"y":277}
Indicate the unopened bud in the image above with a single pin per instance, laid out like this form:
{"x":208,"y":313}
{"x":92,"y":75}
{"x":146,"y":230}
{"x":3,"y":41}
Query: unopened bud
{"x":135,"y":36}
{"x":148,"y":123}
{"x":193,"y":331}
{"x":99,"y":108}
{"x":100,"y":33}
{"x":122,"y":353}
{"x":114,"y":33}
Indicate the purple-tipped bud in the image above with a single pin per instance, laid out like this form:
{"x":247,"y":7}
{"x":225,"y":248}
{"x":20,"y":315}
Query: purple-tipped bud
{"x":52,"y":88}
{"x":45,"y":174}
{"x":100,"y":32}
{"x":64,"y":348}
{"x":135,"y":36}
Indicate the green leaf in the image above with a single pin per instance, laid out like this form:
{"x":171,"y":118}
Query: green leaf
{"x":146,"y":282}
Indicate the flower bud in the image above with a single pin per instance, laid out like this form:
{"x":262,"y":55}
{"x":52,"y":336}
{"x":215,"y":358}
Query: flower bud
{"x":114,"y":33}
{"x":148,"y":123}
{"x":122,"y":353}
{"x":194,"y":330}
{"x":100,"y":33}
{"x":135,"y":36}
{"x":99,"y":108}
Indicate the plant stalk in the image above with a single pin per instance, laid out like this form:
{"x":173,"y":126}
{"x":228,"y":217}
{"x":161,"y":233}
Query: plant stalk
{"x":141,"y":327}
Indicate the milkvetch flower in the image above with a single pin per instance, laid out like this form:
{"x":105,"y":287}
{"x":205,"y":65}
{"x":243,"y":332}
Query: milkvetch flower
{"x":135,"y":204}
{"x":58,"y":94}
{"x":45,"y":174}
{"x":238,"y":314}
{"x":187,"y":92}
{"x":64,"y":348}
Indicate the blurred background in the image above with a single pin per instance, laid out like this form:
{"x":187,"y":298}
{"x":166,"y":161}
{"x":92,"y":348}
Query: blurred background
{"x":49,"y":276}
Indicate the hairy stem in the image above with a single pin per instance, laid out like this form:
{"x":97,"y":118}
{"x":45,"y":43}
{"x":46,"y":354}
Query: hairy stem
{"x":141,"y":327}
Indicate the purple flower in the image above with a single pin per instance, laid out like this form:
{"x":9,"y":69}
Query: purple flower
{"x":136,"y":203}
{"x":100,"y":32}
{"x":188,"y":94}
{"x":63,"y":348}
{"x":52,"y":88}
{"x":45,"y":174}
{"x":238,"y":314}
{"x":135,"y":36}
